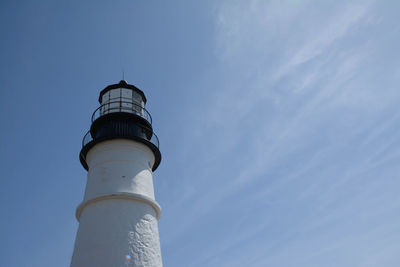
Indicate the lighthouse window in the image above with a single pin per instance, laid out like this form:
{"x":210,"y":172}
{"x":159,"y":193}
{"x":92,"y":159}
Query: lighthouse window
{"x":122,"y":100}
{"x":137,"y":98}
{"x":126,"y":100}
{"x":114,"y":101}
{"x":115,"y":94}
{"x":105,"y":101}
{"x":126,"y":107}
{"x":106,"y":97}
{"x":138,"y":103}
{"x":126,"y":94}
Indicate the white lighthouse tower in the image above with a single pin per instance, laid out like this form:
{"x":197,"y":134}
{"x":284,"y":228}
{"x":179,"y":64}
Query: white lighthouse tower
{"x":118,"y":218}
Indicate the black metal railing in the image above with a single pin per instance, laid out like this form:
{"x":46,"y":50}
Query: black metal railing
{"x":153,"y":139}
{"x":87,"y":138}
{"x":122,"y":106}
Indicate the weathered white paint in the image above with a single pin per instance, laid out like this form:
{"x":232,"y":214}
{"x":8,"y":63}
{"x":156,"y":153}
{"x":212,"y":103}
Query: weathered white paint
{"x":119,"y":215}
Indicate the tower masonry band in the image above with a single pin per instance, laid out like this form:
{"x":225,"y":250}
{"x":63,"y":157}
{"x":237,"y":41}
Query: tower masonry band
{"x":118,"y":217}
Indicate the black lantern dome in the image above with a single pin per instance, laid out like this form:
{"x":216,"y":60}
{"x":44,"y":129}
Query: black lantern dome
{"x":121,"y":115}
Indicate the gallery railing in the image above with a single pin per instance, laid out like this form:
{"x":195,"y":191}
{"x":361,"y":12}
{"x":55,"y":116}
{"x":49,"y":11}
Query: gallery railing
{"x":153,"y":139}
{"x":122,"y":106}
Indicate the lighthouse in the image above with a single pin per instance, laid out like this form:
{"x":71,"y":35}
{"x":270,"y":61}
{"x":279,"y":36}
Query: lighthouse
{"x":118,"y":217}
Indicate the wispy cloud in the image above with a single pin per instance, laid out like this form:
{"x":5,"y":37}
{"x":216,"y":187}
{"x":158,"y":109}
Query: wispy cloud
{"x":299,"y":142}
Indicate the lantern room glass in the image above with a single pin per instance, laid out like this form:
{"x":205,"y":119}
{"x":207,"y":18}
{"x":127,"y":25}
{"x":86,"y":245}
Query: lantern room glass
{"x":122,"y":100}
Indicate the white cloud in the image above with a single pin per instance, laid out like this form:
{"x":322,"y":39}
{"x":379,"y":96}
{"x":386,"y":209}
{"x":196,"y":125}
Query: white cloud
{"x":296,"y":138}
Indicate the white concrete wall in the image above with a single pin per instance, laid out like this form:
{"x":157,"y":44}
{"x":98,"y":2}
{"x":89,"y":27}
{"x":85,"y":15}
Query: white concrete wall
{"x":119,"y":216}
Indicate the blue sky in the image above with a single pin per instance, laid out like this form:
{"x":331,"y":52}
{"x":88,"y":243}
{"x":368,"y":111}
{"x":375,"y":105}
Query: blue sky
{"x":278,"y":120}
